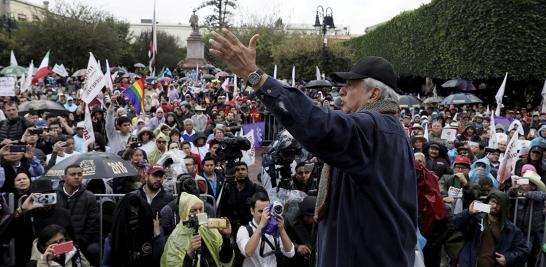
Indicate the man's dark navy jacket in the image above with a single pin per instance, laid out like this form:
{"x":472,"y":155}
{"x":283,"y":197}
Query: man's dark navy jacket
{"x":371,"y":217}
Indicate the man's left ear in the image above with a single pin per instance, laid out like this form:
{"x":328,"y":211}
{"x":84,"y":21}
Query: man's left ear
{"x":376,"y":94}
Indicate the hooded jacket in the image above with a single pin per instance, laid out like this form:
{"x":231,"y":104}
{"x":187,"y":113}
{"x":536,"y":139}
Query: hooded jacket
{"x":512,"y":243}
{"x":439,"y":165}
{"x":154,"y":156}
{"x":538,"y":163}
{"x":70,"y":260}
{"x":474,"y":177}
{"x":176,"y":248}
{"x":539,"y":140}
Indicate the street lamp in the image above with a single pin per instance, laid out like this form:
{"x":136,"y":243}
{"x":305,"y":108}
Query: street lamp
{"x":327,"y":21}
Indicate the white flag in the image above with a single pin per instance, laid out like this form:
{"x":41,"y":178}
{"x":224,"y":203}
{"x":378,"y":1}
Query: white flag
{"x":317,"y":73}
{"x":434,"y":92}
{"x":249,"y":156}
{"x":28,"y":81}
{"x":293,"y":76}
{"x":235,"y":87}
{"x":493,"y":142}
{"x":59,"y":69}
{"x":94,"y":80}
{"x":511,"y":155}
{"x":487,"y":110}
{"x":88,"y":133}
{"x":12,"y":60}
{"x":108,"y":78}
{"x":516,"y":124}
{"x":426,"y":131}
{"x":500,"y":95}
{"x":543,"y":94}
{"x":22,"y":82}
{"x":275,"y":72}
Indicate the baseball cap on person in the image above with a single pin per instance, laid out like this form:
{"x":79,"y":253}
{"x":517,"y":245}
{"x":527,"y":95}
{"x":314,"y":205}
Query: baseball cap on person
{"x":462,"y":160}
{"x":154,"y":169}
{"x":370,"y":67}
{"x":80,"y":124}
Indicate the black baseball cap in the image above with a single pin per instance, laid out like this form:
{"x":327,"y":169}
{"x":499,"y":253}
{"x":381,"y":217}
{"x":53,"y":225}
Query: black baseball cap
{"x":370,"y":67}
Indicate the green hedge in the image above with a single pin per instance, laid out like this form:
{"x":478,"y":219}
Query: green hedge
{"x":471,"y":39}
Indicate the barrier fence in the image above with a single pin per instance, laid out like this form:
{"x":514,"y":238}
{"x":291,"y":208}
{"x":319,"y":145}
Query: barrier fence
{"x":102,"y":198}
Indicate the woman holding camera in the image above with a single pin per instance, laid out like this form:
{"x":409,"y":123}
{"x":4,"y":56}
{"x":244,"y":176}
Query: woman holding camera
{"x":52,"y":249}
{"x":193,"y":245}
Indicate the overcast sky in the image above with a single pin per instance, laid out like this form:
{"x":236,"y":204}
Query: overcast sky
{"x":358,"y":14}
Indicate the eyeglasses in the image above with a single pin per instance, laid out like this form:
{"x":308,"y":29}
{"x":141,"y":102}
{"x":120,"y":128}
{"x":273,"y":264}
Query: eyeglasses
{"x":460,"y":168}
{"x":161,"y":142}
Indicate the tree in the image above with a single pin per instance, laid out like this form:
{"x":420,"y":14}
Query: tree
{"x":169,"y":52}
{"x":221,"y":13}
{"x":70,"y":31}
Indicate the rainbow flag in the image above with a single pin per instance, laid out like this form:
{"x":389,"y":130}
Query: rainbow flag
{"x":135,"y":93}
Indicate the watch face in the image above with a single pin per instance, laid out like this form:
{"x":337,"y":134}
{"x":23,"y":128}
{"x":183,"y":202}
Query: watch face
{"x":253,"y":78}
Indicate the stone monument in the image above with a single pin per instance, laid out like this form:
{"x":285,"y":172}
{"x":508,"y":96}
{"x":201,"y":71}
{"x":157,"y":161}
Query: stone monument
{"x":195,"y":48}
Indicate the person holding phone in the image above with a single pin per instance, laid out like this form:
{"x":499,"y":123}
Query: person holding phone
{"x":490,"y":238}
{"x":54,"y":248}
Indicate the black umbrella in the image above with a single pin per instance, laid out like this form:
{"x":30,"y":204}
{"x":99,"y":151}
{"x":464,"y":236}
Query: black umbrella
{"x":208,"y":67}
{"x":42,"y":105}
{"x":318,"y":84}
{"x":409,"y":101}
{"x":460,"y":84}
{"x":461,"y":98}
{"x":95,"y":165}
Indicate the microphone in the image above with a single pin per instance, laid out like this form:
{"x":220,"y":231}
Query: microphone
{"x":337,"y":101}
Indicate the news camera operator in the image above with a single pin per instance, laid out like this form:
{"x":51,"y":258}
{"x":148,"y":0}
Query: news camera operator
{"x":193,"y":244}
{"x":264,"y":239}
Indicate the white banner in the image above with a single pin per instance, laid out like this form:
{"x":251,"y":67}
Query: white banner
{"x":7,"y":86}
{"x":507,"y":164}
{"x":94,"y":80}
{"x":88,"y":134}
{"x":249,"y":156}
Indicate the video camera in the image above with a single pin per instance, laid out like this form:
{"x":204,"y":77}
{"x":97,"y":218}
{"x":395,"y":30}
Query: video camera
{"x":282,"y":152}
{"x":195,"y":221}
{"x":229,"y":151}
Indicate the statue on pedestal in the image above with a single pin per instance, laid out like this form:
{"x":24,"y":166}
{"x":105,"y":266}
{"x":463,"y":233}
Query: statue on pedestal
{"x":194,"y":22}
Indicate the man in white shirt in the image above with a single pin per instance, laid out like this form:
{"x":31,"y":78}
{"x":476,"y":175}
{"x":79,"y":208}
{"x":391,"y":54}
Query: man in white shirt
{"x":259,"y":248}
{"x":61,"y":151}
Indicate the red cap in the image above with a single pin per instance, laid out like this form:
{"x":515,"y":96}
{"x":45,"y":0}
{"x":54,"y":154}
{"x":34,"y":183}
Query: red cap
{"x":155,"y":168}
{"x":462,"y":160}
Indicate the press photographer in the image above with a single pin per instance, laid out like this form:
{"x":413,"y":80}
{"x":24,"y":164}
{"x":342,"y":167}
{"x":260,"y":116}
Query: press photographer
{"x":264,"y":239}
{"x":193,"y":242}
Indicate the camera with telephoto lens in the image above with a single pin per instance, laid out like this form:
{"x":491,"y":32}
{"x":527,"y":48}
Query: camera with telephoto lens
{"x":282,"y":152}
{"x":276,"y":209}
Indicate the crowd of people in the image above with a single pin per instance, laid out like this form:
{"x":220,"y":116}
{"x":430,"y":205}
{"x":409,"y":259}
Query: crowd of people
{"x":153,"y":223}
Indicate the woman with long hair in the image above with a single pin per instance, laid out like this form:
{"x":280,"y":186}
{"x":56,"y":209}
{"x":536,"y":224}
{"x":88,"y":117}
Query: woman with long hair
{"x":43,"y":249}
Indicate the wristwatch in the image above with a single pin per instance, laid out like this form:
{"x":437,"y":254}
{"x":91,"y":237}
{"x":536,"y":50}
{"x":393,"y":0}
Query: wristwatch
{"x":254,"y":78}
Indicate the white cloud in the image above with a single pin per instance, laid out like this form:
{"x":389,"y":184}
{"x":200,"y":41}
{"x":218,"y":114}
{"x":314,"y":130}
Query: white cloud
{"x":357,"y":14}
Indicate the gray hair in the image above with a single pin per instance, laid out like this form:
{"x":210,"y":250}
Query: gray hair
{"x":387,"y":93}
{"x":188,"y":121}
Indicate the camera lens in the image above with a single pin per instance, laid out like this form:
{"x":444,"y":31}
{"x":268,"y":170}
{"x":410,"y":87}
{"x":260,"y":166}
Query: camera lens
{"x":277,"y":209}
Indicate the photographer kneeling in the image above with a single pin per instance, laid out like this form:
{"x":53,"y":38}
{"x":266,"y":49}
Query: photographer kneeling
{"x":185,"y":244}
{"x":259,"y":240}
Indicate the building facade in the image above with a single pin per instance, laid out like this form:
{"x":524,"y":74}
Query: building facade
{"x":22,"y":10}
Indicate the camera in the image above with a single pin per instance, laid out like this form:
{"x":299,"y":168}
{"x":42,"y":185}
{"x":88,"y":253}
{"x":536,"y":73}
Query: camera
{"x":46,"y":199}
{"x":282,"y":152}
{"x":276,"y":209}
{"x":230,"y":148}
{"x":195,"y":221}
{"x":134,"y":142}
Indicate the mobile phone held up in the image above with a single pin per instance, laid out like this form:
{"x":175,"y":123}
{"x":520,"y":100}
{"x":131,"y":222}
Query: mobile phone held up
{"x":63,"y":248}
{"x":46,"y":199}
{"x":17,"y":148}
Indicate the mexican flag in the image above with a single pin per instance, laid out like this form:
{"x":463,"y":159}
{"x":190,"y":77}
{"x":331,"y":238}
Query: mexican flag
{"x":42,"y":70}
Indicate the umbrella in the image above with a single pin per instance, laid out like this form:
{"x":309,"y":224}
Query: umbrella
{"x":42,"y":105}
{"x":139,"y":65}
{"x":165,"y":79}
{"x":222,"y":74}
{"x":150,"y":79}
{"x":79,"y":73}
{"x":461,"y":98}
{"x":13,"y":71}
{"x":120,"y":70}
{"x":318,"y":84}
{"x":460,"y":84}
{"x":409,"y":101}
{"x":433,"y":100}
{"x":95,"y":165}
{"x":208,"y":76}
{"x":207,"y":67}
